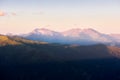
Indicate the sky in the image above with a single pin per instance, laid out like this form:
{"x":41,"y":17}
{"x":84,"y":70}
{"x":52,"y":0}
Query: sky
{"x":22,"y":16}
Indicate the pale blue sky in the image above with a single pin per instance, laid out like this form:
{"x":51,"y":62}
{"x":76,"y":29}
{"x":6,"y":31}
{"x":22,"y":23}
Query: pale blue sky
{"x":60,"y":15}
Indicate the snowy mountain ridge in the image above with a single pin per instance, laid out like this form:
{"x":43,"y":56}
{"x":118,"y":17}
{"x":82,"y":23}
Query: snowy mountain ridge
{"x":72,"y":36}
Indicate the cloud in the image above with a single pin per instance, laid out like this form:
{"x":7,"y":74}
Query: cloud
{"x":2,"y":13}
{"x":13,"y":14}
{"x":38,"y":13}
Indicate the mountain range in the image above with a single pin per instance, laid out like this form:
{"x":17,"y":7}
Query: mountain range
{"x":73,"y":36}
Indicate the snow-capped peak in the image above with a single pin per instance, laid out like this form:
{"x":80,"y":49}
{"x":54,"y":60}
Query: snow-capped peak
{"x":77,"y":32}
{"x":74,"y":32}
{"x":43,"y":31}
{"x":90,"y":30}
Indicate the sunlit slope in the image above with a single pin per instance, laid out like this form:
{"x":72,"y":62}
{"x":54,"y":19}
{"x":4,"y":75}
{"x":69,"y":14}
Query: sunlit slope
{"x":5,"y":40}
{"x":115,"y":51}
{"x":14,"y":40}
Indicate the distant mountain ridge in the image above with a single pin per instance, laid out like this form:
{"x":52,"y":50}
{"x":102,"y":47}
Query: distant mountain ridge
{"x":73,"y":36}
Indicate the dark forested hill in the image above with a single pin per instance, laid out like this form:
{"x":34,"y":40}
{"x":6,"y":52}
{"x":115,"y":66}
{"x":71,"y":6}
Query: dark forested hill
{"x":22,"y":59}
{"x":24,"y":50}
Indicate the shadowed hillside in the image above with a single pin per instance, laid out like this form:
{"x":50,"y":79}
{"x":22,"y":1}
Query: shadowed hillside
{"x":22,"y":59}
{"x":24,"y":50}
